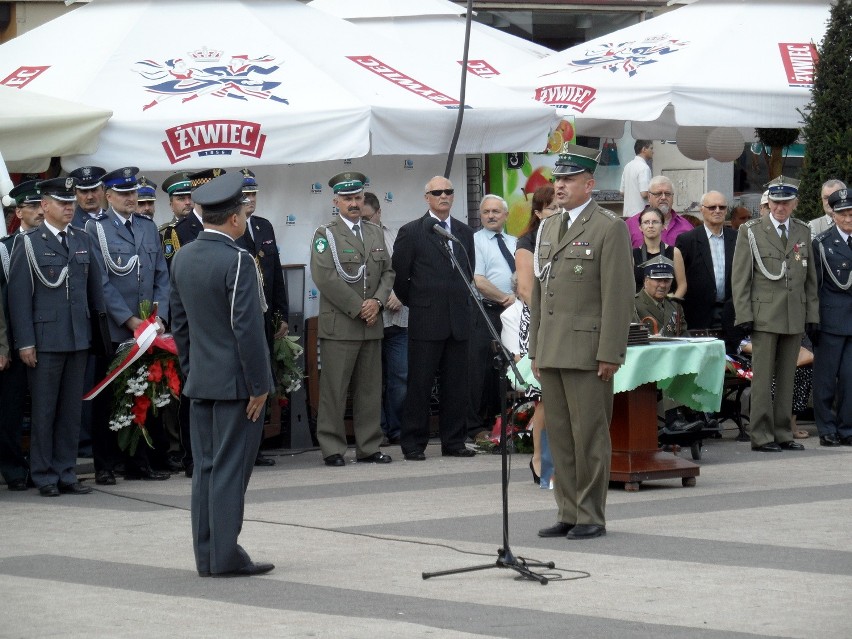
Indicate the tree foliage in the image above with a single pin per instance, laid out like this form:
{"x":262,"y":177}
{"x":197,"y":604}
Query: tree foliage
{"x":828,"y":117}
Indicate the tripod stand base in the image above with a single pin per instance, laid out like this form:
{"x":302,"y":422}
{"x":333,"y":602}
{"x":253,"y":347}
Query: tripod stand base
{"x":505,"y":559}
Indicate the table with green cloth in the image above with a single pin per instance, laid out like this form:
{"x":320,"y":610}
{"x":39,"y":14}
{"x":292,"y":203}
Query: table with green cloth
{"x":691,"y":371}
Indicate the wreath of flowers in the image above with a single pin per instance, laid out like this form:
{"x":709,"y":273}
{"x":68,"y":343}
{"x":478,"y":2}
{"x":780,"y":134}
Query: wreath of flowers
{"x":285,"y":353}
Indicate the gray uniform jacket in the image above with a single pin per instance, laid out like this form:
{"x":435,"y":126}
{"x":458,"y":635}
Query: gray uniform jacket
{"x":54,"y":319}
{"x":225,"y":356}
{"x":148,"y":281}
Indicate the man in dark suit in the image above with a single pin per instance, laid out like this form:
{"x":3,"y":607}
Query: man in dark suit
{"x":833,"y":344}
{"x":259,"y":240}
{"x":54,"y":286}
{"x":580,"y":314}
{"x":773,"y":281}
{"x":708,"y":253}
{"x":438,"y":324}
{"x":217,"y":320}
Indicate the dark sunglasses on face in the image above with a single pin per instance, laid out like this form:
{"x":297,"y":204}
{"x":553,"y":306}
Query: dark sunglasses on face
{"x":437,"y":192}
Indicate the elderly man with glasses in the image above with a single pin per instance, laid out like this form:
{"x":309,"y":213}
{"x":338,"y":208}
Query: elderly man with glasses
{"x":660,"y":196}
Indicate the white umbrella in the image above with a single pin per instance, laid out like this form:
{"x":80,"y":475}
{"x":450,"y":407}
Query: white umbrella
{"x":37,"y":126}
{"x":714,"y":63}
{"x":435,"y":28}
{"x":260,"y":82}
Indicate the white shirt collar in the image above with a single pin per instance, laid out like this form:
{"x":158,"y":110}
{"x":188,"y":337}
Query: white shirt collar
{"x":53,"y":229}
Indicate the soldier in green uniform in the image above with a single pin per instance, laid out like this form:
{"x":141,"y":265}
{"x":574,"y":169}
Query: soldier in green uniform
{"x":351,"y":267}
{"x":775,"y":299}
{"x":581,"y":308}
{"x":179,"y":190}
{"x":652,"y":302}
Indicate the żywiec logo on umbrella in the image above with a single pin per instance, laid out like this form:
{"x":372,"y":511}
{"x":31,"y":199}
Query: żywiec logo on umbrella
{"x":623,"y":57}
{"x":205,"y":73}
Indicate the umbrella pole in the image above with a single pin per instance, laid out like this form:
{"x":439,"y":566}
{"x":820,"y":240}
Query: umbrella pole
{"x":462,"y":88}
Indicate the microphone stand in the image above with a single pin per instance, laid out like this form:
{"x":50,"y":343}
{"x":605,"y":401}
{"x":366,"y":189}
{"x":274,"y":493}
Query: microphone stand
{"x":503,"y":361}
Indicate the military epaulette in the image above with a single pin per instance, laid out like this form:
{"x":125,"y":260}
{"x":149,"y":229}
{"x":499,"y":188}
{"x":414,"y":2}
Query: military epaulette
{"x":798,"y":221}
{"x":141,"y":217}
{"x":166,"y":225}
{"x":182,"y":220}
{"x":78,"y":228}
{"x":370,"y":223}
{"x":609,"y":213}
{"x":30,"y":231}
{"x":753,"y":222}
{"x":823,"y":235}
{"x":101,"y":216}
{"x":323,"y":226}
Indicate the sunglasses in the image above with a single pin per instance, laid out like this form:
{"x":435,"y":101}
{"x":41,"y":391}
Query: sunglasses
{"x":719,"y":207}
{"x":438,"y":192}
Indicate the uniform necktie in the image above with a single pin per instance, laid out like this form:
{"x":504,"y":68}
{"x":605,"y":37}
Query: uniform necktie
{"x":62,"y":240}
{"x":783,"y":229}
{"x":357,"y":230}
{"x":510,"y":260}
{"x":849,"y":241}
{"x":129,"y":227}
{"x":564,"y":227}
{"x":248,"y":238}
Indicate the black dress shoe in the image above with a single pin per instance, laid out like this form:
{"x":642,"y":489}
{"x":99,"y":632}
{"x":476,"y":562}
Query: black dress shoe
{"x":415,"y":456}
{"x":791,"y":445}
{"x":829,"y":440}
{"x":249,"y":570}
{"x":188,"y":469}
{"x":17,"y":484}
{"x":461,"y":452}
{"x":771,"y":447}
{"x":74,"y":489}
{"x":846,"y":441}
{"x":335,"y":460}
{"x":376,"y":458}
{"x":148,"y":474}
{"x":105,"y":478}
{"x":263,"y":460}
{"x":586,"y":531}
{"x":49,"y":491}
{"x":559,"y":529}
{"x":174,"y":464}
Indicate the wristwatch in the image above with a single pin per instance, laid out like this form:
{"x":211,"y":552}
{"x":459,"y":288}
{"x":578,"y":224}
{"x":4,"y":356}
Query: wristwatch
{"x":381,"y":306}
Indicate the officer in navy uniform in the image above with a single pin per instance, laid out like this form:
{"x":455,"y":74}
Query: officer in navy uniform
{"x":90,"y":194}
{"x":190,"y":226}
{"x":259,"y":240}
{"x":54,"y":286}
{"x":13,"y":380}
{"x":146,"y":197}
{"x":833,"y":343}
{"x":127,"y":247}
{"x":217,"y":312}
{"x":179,"y":189}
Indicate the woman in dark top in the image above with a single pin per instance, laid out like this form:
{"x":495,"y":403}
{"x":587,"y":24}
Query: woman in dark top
{"x":651,"y":224}
{"x":542,"y":206}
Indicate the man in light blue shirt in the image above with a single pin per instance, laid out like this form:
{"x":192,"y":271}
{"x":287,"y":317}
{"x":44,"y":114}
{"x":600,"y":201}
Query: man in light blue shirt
{"x":495,"y":263}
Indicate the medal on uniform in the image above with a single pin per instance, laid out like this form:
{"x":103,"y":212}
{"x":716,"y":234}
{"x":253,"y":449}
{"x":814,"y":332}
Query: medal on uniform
{"x":578,"y":269}
{"x":260,"y":253}
{"x":796,"y":248}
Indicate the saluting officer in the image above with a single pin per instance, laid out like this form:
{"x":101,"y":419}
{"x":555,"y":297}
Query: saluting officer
{"x":179,"y":190}
{"x":351,"y":268}
{"x":775,"y":299}
{"x":833,"y":346}
{"x":54,"y":286}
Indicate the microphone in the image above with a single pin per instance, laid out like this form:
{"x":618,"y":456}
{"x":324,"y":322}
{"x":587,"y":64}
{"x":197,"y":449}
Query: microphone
{"x":440,"y":230}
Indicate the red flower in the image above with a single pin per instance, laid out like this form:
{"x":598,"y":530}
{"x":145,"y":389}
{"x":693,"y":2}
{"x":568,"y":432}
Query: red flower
{"x":140,"y":409}
{"x":155,"y":372}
